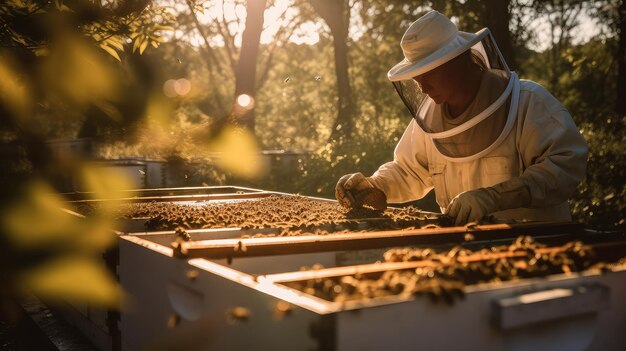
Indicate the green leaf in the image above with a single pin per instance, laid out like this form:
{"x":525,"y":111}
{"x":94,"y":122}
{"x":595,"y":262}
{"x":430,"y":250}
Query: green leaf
{"x":116,"y":43}
{"x":41,"y":51}
{"x":74,"y":278}
{"x":143,"y":46}
{"x":136,"y":44}
{"x":61,"y":6}
{"x":157,"y":38}
{"x":160,"y":27}
{"x":111,"y":51}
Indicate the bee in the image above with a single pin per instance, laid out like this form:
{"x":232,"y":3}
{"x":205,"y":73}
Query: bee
{"x":173,"y":320}
{"x":192,"y":274}
{"x":282,"y":309}
{"x":238,"y":314}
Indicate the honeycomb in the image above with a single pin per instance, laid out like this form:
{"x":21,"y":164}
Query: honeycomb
{"x":291,"y":215}
{"x":445,"y":279}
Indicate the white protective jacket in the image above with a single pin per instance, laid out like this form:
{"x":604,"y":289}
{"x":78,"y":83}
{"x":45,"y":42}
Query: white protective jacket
{"x":544,"y":149}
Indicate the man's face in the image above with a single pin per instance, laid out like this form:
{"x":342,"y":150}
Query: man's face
{"x":441,"y":83}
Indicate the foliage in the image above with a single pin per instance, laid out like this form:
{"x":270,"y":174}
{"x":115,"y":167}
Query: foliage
{"x":600,"y":201}
{"x":297,"y":105}
{"x":33,"y":24}
{"x":587,"y":89}
{"x":63,"y":66}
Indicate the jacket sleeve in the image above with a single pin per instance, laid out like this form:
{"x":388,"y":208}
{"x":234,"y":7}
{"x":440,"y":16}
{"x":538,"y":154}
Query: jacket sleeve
{"x":553,"y":152}
{"x":405,"y":178}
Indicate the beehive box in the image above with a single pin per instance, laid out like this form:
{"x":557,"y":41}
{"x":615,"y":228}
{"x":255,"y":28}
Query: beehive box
{"x":214,"y":305}
{"x":225,"y":277}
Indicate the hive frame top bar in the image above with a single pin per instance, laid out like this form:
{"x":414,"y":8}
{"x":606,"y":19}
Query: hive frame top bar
{"x":610,"y":250}
{"x":251,"y":247}
{"x":180,"y":195}
{"x":177,"y":198}
{"x":165,"y":192}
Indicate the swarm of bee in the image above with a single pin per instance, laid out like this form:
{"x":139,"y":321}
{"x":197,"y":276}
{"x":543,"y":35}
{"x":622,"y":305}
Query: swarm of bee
{"x":291,"y":215}
{"x":448,"y":272}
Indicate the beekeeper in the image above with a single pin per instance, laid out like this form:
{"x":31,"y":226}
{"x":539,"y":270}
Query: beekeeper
{"x":488,"y":142}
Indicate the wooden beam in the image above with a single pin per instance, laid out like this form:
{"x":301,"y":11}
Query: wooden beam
{"x":231,"y":248}
{"x":610,"y":251}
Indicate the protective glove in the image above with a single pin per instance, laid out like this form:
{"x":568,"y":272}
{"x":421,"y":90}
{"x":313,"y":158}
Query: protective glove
{"x":473,"y":205}
{"x":355,"y":190}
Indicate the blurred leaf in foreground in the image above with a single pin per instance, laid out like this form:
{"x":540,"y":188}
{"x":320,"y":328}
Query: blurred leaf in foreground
{"x":237,"y":152}
{"x":14,"y":92}
{"x":77,"y":73}
{"x":75,"y":279}
{"x":38,"y":221}
{"x":106,"y":182}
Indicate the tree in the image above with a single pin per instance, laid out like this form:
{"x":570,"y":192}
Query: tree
{"x":496,"y":16}
{"x":246,"y":65}
{"x":563,"y":16}
{"x":620,"y":107}
{"x":337,"y":15}
{"x":239,"y":70}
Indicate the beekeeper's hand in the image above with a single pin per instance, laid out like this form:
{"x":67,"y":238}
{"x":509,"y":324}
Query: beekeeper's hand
{"x":473,"y":205}
{"x":355,"y":190}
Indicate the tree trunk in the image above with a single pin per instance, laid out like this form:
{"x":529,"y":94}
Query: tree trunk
{"x":496,"y":17}
{"x":620,"y":106}
{"x":336,"y":14}
{"x":246,"y":66}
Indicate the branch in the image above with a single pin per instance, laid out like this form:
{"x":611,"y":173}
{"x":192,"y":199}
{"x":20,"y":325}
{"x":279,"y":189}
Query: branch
{"x":207,"y":46}
{"x":292,"y":25}
{"x":228,"y":40}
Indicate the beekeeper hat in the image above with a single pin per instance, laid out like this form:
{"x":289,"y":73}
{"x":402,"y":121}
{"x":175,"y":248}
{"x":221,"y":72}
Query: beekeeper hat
{"x":429,"y":42}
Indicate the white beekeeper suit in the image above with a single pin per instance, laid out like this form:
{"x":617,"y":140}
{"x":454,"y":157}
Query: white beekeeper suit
{"x":514,"y":152}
